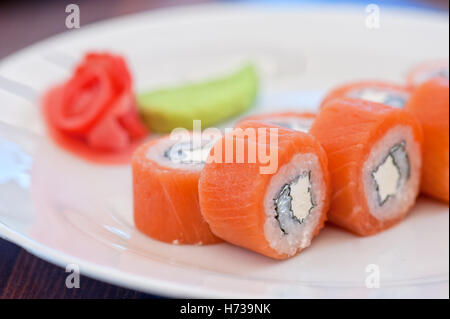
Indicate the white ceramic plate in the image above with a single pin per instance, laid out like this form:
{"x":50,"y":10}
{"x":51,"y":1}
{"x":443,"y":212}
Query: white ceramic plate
{"x":68,"y":211}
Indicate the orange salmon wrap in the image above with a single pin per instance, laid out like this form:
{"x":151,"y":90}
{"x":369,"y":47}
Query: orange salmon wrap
{"x":165,"y":193}
{"x":430,"y":104}
{"x":274,"y":212}
{"x":373,"y":91}
{"x":374,"y":155}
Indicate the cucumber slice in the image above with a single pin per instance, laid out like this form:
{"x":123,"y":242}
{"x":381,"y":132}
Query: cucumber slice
{"x":211,"y":102}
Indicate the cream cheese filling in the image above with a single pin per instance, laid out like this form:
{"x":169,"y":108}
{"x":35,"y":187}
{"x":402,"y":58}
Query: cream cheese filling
{"x":301,"y":197}
{"x":387,"y":178}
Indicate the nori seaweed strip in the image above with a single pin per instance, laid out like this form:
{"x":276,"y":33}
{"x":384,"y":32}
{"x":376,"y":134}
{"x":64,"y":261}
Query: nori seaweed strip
{"x":310,"y":196}
{"x":277,"y":201}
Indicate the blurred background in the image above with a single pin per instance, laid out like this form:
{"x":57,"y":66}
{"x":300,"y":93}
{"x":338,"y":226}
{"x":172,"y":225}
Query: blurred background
{"x":23,"y":23}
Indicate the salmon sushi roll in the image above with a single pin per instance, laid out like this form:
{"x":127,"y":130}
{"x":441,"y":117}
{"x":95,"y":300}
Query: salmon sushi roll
{"x":165,"y":189}
{"x":373,"y":91}
{"x":430,"y":104}
{"x":275,"y":212}
{"x":293,"y":120}
{"x":375,"y":160}
{"x":427,"y":71}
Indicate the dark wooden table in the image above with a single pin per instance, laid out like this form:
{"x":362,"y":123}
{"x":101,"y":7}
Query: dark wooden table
{"x":21,"y":23}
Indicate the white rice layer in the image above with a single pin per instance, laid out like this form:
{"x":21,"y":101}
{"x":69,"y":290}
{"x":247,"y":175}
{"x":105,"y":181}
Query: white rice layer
{"x":391,"y":174}
{"x":294,"y":235}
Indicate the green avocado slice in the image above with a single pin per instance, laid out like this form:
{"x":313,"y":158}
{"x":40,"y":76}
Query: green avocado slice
{"x":211,"y":102}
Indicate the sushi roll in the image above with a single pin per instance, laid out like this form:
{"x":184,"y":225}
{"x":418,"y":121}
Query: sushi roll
{"x":165,"y":189}
{"x":373,"y":91}
{"x":430,"y":104}
{"x":427,"y":71}
{"x":275,"y":213}
{"x":291,"y":120}
{"x":375,"y":161}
